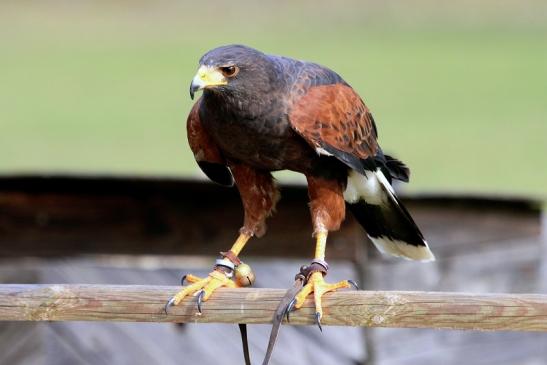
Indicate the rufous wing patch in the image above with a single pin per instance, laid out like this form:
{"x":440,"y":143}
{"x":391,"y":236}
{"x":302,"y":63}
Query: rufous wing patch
{"x":333,"y":117}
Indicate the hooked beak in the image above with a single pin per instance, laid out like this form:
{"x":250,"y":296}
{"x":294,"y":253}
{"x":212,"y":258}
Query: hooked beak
{"x":206,"y":76}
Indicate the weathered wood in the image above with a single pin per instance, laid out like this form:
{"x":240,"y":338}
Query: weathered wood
{"x":507,"y":312}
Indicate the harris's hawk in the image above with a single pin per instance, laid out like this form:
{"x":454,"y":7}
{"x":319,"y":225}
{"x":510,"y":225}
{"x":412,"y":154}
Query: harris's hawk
{"x":261,"y":113}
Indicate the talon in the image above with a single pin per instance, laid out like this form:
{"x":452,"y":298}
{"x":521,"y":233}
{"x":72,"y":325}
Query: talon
{"x":202,"y":288}
{"x":182,"y":280}
{"x":200,"y":298}
{"x":318,"y":320}
{"x":317,"y":285}
{"x":169,"y":303}
{"x":354,"y":284}
{"x":289,"y":309}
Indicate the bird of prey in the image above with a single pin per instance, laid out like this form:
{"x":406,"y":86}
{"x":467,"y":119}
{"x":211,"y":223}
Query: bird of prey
{"x":261,"y":113}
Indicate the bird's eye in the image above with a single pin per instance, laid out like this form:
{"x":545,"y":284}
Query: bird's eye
{"x":229,"y":71}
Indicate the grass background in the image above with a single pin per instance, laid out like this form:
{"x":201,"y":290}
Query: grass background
{"x":459,"y":90}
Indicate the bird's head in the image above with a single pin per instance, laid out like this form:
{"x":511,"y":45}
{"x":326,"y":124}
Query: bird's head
{"x":233,"y":69}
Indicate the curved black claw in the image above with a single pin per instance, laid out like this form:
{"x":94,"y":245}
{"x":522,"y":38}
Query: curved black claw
{"x":182,"y":280}
{"x":170,"y":303}
{"x":289,"y":309}
{"x":318,"y":320}
{"x":200,"y":298}
{"x":354,"y":284}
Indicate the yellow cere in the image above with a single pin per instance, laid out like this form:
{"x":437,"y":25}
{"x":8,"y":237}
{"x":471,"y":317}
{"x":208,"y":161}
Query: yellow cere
{"x":211,"y":76}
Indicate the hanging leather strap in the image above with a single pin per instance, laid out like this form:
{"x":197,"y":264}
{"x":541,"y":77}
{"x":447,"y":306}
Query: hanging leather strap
{"x":299,"y":281}
{"x":245,"y":343}
{"x":280,"y":313}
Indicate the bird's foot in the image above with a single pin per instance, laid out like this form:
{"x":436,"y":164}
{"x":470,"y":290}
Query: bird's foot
{"x":225,"y":268}
{"x":203,"y":288}
{"x":316,"y":284}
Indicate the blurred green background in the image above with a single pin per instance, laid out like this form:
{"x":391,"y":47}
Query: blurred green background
{"x":458,"y":89}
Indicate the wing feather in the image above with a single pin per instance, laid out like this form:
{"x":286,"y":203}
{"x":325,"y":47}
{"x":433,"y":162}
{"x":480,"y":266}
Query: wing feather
{"x":333,"y":118}
{"x":206,"y":152}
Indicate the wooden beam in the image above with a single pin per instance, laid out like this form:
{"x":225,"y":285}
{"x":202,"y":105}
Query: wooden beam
{"x":501,"y":312}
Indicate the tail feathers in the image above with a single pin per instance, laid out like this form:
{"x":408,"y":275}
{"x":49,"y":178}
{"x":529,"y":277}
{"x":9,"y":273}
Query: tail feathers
{"x":397,"y":169}
{"x":374,"y":204}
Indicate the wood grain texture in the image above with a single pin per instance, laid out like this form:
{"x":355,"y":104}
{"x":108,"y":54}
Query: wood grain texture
{"x":500,"y":312}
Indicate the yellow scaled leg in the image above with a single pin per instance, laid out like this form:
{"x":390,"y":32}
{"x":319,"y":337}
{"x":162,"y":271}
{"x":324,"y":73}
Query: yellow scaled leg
{"x":316,"y":283}
{"x":203,"y":288}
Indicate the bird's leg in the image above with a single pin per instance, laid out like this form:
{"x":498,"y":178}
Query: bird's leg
{"x":259,"y":196}
{"x":315,"y":282}
{"x":221,"y":276}
{"x":327,"y":208}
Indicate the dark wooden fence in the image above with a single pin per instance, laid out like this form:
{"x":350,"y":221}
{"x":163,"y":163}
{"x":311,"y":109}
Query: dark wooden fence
{"x":52,"y":229}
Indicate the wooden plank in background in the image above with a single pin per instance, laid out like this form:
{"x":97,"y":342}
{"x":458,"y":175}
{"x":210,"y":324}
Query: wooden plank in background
{"x":67,"y":216}
{"x":61,"y":216}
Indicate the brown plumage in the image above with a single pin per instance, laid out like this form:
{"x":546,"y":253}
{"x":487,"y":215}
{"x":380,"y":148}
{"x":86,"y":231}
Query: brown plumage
{"x":259,"y":196}
{"x":201,"y":144}
{"x":335,"y":115}
{"x":261,"y":113}
{"x":271,"y":113}
{"x":206,"y":152}
{"x":327,"y":205}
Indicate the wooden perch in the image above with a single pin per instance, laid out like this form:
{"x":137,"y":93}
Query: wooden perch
{"x":507,"y":312}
